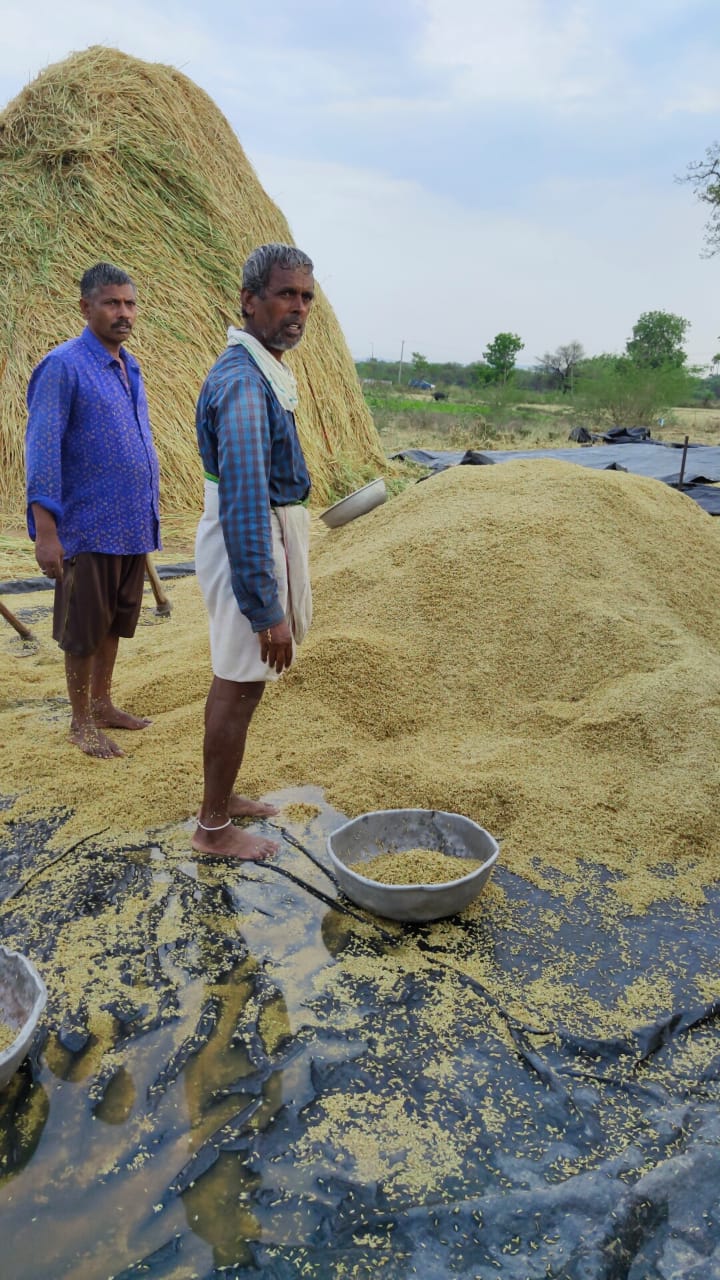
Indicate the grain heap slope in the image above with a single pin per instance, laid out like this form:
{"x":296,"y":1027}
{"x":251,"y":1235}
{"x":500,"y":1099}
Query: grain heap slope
{"x":534,"y":644}
{"x":105,"y":157}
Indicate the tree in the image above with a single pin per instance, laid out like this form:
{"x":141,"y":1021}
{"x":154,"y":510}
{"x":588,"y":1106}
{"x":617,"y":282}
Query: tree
{"x":616,"y":391}
{"x":657,"y":339}
{"x":501,"y":354}
{"x":420,"y":365}
{"x":704,"y":176}
{"x":563,"y":363}
{"x":480,"y":373}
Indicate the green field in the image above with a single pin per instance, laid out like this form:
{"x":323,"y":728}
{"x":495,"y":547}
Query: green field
{"x":464,"y":421}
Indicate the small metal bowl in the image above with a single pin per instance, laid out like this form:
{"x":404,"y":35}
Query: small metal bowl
{"x":355,"y":504}
{"x":22,"y":1000}
{"x":397,"y":829}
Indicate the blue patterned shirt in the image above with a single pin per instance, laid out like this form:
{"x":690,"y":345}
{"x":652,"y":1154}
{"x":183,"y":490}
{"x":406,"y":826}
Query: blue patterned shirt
{"x":90,"y":456}
{"x":250,"y":443}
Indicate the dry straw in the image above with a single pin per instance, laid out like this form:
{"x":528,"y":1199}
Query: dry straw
{"x":105,"y":157}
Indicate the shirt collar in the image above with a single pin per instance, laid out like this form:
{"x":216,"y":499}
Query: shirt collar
{"x":101,"y":353}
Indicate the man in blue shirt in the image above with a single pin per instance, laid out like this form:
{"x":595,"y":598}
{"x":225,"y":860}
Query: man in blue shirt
{"x":93,"y":498}
{"x":251,"y":548}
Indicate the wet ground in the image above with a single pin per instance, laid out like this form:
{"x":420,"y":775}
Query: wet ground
{"x":239,"y":1073}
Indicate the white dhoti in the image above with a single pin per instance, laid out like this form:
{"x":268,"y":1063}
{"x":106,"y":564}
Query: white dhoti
{"x":234,"y":646}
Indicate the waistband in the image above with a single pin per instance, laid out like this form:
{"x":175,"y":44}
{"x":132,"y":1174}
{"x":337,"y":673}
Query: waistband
{"x":294,"y":502}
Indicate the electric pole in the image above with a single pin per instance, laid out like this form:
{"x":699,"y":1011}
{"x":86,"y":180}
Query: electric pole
{"x":402,"y":349}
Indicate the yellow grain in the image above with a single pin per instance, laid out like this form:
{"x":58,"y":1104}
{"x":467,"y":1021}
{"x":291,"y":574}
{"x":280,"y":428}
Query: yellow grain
{"x":415,"y":866}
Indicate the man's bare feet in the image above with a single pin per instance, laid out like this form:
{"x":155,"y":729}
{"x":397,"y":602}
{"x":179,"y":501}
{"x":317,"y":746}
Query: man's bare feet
{"x":108,"y":716}
{"x":86,"y":735}
{"x":230,"y":842}
{"x":243,"y":807}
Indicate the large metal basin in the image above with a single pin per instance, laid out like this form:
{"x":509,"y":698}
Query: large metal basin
{"x":355,"y":504}
{"x":22,"y":1000}
{"x":386,"y":830}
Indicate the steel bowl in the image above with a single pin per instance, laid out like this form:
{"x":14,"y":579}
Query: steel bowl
{"x":22,"y":1000}
{"x":395,"y":830}
{"x":355,"y":504}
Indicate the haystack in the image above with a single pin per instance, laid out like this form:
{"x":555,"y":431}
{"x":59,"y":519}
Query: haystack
{"x":105,"y":157}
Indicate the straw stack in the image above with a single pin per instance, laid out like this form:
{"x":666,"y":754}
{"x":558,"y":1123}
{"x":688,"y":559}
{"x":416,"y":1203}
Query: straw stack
{"x":105,"y":157}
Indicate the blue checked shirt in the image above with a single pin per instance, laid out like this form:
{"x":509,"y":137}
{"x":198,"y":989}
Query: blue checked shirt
{"x":250,"y":444}
{"x":89,"y":453}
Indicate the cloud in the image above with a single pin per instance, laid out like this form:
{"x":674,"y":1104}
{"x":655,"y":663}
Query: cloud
{"x":401,"y":262}
{"x":521,"y":51}
{"x":599,"y":56}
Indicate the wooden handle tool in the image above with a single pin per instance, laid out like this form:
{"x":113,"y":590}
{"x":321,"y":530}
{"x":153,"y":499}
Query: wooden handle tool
{"x":19,"y":626}
{"x":164,"y":606}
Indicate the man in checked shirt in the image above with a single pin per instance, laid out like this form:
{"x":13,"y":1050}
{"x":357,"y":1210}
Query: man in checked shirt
{"x":251,"y":548}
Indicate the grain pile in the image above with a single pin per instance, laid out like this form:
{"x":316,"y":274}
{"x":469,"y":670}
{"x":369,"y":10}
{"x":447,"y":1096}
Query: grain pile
{"x":534,"y":645}
{"x":415,"y":866}
{"x":104,"y":156}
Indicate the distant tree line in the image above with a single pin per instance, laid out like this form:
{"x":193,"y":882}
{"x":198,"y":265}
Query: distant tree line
{"x":651,"y":374}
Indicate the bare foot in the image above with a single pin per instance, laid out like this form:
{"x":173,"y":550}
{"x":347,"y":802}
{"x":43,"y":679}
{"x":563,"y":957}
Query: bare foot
{"x":242,"y":807}
{"x":86,"y":735}
{"x":232,"y":843}
{"x":111,"y":717}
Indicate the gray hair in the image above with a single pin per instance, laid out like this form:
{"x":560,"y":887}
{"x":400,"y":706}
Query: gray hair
{"x":258,"y":268}
{"x":102,"y":274}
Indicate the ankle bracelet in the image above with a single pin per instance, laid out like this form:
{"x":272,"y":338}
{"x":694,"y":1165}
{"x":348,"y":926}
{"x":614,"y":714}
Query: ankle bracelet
{"x":220,"y":828}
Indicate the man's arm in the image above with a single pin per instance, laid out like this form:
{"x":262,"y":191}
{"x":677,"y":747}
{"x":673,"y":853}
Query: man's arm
{"x":48,"y":547}
{"x":49,"y":403}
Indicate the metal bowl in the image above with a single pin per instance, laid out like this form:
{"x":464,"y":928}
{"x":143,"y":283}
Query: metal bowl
{"x":397,"y":829}
{"x":22,"y":1000}
{"x":355,"y":504}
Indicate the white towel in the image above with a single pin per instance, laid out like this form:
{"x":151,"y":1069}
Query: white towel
{"x":295,"y":530}
{"x":280,"y":377}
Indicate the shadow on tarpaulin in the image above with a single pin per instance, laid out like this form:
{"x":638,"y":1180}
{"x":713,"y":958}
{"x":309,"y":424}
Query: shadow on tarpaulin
{"x":254,"y":1077}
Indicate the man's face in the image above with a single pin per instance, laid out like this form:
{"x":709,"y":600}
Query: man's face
{"x":277,"y":316}
{"x":110,"y":313}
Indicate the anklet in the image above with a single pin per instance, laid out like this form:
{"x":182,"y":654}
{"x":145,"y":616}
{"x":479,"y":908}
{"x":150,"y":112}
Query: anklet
{"x":221,"y":828}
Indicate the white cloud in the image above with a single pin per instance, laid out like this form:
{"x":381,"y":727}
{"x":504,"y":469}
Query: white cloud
{"x":607,"y":56}
{"x":521,"y":51}
{"x":399,"y":261}
{"x":37,"y":35}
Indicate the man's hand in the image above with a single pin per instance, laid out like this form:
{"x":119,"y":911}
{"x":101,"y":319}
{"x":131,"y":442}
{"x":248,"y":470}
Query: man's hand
{"x":49,"y":551}
{"x":276,"y":646}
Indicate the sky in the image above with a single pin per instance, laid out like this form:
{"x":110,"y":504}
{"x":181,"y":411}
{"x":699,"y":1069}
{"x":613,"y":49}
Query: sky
{"x":455,"y":168}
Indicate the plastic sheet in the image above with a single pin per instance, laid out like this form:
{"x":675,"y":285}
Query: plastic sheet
{"x":256,"y":1078}
{"x":21,"y":586}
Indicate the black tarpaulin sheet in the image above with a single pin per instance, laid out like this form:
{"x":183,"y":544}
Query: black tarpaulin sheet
{"x":655,"y":460}
{"x":21,"y":586}
{"x":249,"y":1076}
